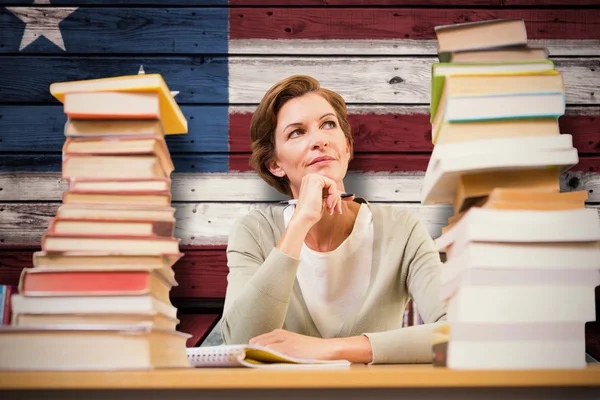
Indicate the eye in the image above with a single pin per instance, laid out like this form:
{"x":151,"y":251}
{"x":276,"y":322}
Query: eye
{"x":331,"y":123}
{"x":299,"y":131}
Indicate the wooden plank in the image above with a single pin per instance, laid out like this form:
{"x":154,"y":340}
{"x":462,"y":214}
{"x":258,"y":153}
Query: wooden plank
{"x":203,"y":162}
{"x":199,"y":79}
{"x":207,"y":126}
{"x":116,"y":30}
{"x":549,"y":3}
{"x":375,"y":128}
{"x":198,"y":325}
{"x":204,"y":224}
{"x":201,"y":273}
{"x":380,"y":80}
{"x":397,"y":23}
{"x":239,"y":162}
{"x":117,"y":3}
{"x":407,"y":128}
{"x":248,"y":187}
{"x":406,"y":47}
{"x":367,"y":3}
{"x":242,"y":80}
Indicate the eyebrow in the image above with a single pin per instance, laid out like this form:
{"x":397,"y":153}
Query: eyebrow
{"x":300,"y":123}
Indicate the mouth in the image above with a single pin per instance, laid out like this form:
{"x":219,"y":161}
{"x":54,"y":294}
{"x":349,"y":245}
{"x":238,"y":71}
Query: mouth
{"x":322,"y":160}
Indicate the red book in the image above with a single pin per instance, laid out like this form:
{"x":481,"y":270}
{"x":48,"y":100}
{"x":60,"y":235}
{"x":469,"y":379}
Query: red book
{"x":87,"y":282}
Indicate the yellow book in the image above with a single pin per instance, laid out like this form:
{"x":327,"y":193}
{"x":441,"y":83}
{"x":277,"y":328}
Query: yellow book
{"x":173,"y":120}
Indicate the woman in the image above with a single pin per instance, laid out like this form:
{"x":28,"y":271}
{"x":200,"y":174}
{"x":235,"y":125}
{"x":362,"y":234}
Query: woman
{"x":328,"y":278}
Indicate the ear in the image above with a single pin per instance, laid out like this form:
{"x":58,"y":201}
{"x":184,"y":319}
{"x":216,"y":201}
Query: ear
{"x":275,"y":169}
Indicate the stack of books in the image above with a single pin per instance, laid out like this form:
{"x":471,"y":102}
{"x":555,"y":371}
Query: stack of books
{"x":522,"y":258}
{"x":97,"y":297}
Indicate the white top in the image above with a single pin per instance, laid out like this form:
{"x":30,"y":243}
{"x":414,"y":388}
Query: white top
{"x":334,"y":283}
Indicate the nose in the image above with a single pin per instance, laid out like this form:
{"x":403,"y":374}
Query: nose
{"x":319,"y":140}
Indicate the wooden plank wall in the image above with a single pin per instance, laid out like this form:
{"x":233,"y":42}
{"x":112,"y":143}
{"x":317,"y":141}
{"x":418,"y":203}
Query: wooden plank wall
{"x":222,"y":56}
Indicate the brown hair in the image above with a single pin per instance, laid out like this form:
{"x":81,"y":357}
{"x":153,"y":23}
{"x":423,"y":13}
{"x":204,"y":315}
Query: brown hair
{"x":264,"y":122}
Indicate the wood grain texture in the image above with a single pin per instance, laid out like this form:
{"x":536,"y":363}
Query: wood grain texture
{"x":374,"y":128}
{"x":357,"y":376}
{"x":198,"y":224}
{"x":375,"y":80}
{"x":119,"y":30}
{"x":201,"y":273}
{"x":207,"y":129}
{"x":248,"y":187}
{"x":198,"y":325}
{"x":400,"y":23}
{"x":242,"y":80}
{"x":406,"y":47}
{"x":205,"y":224}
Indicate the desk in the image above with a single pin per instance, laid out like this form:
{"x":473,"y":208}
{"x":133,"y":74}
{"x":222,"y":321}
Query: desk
{"x":358,"y":381}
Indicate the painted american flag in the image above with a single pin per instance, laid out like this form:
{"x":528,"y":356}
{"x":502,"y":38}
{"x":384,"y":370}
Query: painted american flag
{"x":221,"y":56}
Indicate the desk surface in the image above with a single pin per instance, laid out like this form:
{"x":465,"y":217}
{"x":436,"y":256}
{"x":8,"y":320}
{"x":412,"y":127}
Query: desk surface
{"x":357,"y":376}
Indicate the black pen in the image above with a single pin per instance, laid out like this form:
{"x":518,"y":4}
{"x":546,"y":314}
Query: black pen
{"x":294,"y":201}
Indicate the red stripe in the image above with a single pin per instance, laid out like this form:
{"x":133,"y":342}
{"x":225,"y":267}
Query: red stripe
{"x":333,"y":3}
{"x":393,"y":133}
{"x":201,"y":273}
{"x":400,"y":23}
{"x":198,"y":325}
{"x":368,"y":162}
{"x":365,"y":162}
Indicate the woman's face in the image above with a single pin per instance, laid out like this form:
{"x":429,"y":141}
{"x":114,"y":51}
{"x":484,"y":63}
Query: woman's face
{"x":308,"y":139}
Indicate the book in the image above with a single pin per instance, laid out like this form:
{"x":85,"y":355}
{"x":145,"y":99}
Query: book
{"x":150,"y":245}
{"x":440,"y":183}
{"x":253,"y":356}
{"x":107,"y":128}
{"x":91,"y":348}
{"x":125,"y":198}
{"x":173,"y":120}
{"x":464,"y":131}
{"x":116,"y":166}
{"x":522,"y":226}
{"x":92,"y":305}
{"x":120,"y":185}
{"x":116,"y":211}
{"x":495,"y":54}
{"x":111,"y":227}
{"x":116,"y":145}
{"x":472,"y":186}
{"x":552,"y":255}
{"x":111,"y":105}
{"x":143,"y":310}
{"x":163,"y":263}
{"x":439,"y":71}
{"x":93,"y":282}
{"x":478,"y":346}
{"x":481,"y":35}
{"x":495,"y":303}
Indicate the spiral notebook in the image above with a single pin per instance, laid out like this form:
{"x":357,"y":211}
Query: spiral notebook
{"x":252,"y":356}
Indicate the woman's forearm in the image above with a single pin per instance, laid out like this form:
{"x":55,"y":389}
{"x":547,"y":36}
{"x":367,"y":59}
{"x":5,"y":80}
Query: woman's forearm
{"x":356,"y":349}
{"x":293,"y":237}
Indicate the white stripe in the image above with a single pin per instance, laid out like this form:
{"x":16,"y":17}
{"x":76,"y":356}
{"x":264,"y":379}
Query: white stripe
{"x":393,"y":80}
{"x":556,"y":47}
{"x":248,"y":187}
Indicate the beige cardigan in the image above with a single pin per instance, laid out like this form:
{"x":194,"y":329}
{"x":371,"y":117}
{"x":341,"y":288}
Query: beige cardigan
{"x":263,"y":293}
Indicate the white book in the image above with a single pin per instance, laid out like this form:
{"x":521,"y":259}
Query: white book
{"x":525,"y":226}
{"x":516,"y":346}
{"x":488,"y":107}
{"x":522,"y":304}
{"x":440,"y":182}
{"x":507,"y":278}
{"x":509,"y":256}
{"x":513,"y":355}
{"x":144,"y":304}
